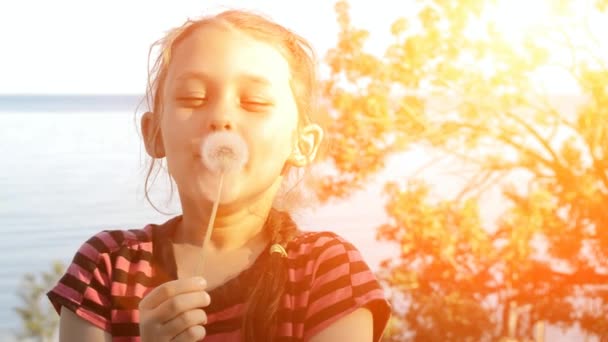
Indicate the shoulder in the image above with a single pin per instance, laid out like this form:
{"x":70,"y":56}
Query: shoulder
{"x":108,"y":242}
{"x":321,"y":245}
{"x":321,"y":255}
{"x":331,"y":280}
{"x":106,"y":257}
{"x":112,"y":241}
{"x":317,"y":241}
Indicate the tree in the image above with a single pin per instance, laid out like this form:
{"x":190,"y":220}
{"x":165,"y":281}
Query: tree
{"x":39,"y":320}
{"x":454,"y":81}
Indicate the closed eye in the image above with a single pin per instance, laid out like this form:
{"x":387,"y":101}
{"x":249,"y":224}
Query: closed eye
{"x":191,"y":101}
{"x":255,"y":104}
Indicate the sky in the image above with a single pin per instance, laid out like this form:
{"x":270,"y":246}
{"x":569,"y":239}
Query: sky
{"x":93,"y":47}
{"x":90,"y":47}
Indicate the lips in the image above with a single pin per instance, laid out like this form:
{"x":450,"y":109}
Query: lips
{"x":224,"y":151}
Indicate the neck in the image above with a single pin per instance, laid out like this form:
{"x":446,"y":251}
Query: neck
{"x":236,"y":225}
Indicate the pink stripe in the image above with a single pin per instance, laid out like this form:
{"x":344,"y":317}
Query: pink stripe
{"x":125,"y":316}
{"x":229,"y":313}
{"x":138,"y":290}
{"x":300,"y":299}
{"x":132,"y":268}
{"x":89,"y":251}
{"x":362,"y":277}
{"x":79,"y":273}
{"x":288,"y":329}
{"x":329,"y":300}
{"x":312,"y":264}
{"x":299,"y":273}
{"x":303,"y":248}
{"x":354,"y":255}
{"x":95,"y":297}
{"x":68,"y":293}
{"x":147,"y":230}
{"x":334,"y":274}
{"x":145,"y":246}
{"x":93,"y":318}
{"x":107,"y":240}
{"x":102,"y":278}
{"x":105,"y":258}
{"x":332,"y":251}
{"x":371,"y":295}
{"x":126,"y":339}
{"x":223,"y":337}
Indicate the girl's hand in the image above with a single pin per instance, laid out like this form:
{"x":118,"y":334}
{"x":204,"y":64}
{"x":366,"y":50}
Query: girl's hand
{"x":172,"y":311}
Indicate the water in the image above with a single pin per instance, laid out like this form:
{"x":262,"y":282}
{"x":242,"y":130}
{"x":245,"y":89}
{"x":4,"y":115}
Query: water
{"x":74,"y":165}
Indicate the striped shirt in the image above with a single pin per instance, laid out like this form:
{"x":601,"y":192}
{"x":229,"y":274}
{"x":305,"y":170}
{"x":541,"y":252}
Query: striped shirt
{"x":114,"y":270}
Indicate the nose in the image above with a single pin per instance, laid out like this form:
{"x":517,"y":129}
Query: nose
{"x":221,"y":124}
{"x":220,"y":113}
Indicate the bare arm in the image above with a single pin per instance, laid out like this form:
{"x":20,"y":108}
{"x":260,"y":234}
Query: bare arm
{"x":74,"y":328}
{"x":357,"y":326}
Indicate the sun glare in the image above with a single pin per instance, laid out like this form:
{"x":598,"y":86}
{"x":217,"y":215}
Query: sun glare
{"x":522,"y":25}
{"x":514,"y":19}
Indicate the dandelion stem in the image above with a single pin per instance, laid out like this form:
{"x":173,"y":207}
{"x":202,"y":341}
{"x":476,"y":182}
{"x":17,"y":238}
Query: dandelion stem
{"x":212,"y":220}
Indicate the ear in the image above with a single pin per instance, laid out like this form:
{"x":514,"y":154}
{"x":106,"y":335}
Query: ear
{"x":307,"y":145}
{"x":153,"y":140}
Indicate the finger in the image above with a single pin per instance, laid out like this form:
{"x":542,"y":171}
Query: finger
{"x":194,"y":333}
{"x":171,"y":289}
{"x":181,"y":303}
{"x":184,"y":321}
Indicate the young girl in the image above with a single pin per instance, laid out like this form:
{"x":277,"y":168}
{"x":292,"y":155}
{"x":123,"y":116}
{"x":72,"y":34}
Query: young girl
{"x":260,"y":278}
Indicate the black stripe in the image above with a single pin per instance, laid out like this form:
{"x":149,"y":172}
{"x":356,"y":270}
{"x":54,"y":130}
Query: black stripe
{"x":286,"y":339}
{"x":294,"y":315}
{"x":298,"y":315}
{"x":365,"y":288}
{"x":224,"y":326}
{"x":331,"y":264}
{"x":358,"y":266}
{"x":125,"y":329}
{"x":98,"y":244}
{"x":101,"y":266}
{"x":301,"y":260}
{"x":117,"y":235}
{"x":225,"y":300}
{"x":295,"y":288}
{"x":329,"y":287}
{"x":329,"y":312}
{"x":73,"y":283}
{"x":61,"y":301}
{"x":140,"y":235}
{"x":125,"y":302}
{"x":96,"y":308}
{"x":84,"y":262}
{"x":130,"y":279}
{"x":308,"y":237}
{"x":134,"y":255}
{"x":103,"y":290}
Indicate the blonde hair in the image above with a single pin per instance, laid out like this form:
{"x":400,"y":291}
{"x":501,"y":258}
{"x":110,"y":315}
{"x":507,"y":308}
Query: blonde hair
{"x":260,"y":317}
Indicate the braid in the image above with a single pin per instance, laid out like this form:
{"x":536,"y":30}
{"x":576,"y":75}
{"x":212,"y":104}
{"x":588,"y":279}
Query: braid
{"x":260,"y":319}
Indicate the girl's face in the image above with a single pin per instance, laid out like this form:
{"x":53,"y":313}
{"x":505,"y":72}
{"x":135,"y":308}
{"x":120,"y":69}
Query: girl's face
{"x":223,"y":79}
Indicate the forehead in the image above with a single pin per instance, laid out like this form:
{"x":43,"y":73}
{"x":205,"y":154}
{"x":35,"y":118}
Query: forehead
{"x":223,"y":53}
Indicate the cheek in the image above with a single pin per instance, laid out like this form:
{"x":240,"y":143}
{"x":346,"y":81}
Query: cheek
{"x":271,"y":151}
{"x":177,"y":129}
{"x":177,"y":143}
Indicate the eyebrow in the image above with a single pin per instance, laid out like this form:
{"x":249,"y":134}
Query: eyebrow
{"x":246,"y":77}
